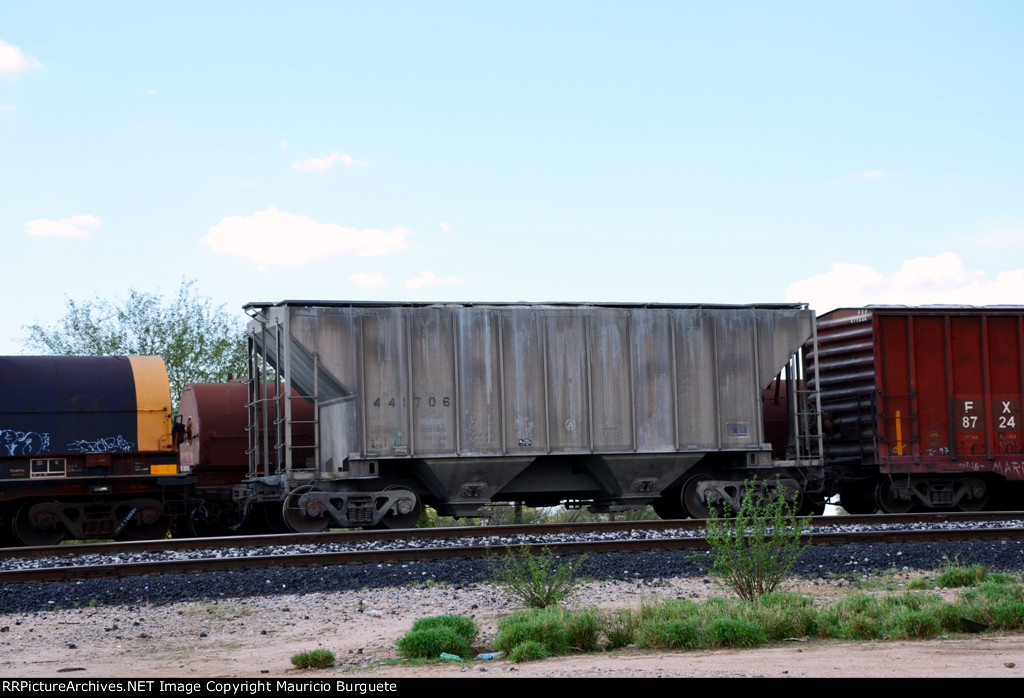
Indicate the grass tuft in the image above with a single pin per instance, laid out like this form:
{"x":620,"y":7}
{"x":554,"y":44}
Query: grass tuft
{"x":684,"y":624}
{"x":431,"y":637}
{"x":314,"y":659}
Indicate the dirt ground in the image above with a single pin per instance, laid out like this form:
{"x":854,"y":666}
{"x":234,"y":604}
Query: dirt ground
{"x":256,"y":638}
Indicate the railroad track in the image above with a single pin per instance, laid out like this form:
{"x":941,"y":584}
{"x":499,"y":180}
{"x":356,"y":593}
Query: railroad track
{"x":75,"y":562}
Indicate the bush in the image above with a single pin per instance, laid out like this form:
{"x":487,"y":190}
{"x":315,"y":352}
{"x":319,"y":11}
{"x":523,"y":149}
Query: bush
{"x":314,"y":659}
{"x":433,"y":636}
{"x":755,"y":548}
{"x":537,"y":580}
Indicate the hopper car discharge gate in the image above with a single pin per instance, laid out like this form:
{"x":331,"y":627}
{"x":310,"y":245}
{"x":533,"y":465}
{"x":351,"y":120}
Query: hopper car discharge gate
{"x":360,"y":414}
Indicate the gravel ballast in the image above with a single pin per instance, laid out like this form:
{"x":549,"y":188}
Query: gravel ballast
{"x":825,"y":562}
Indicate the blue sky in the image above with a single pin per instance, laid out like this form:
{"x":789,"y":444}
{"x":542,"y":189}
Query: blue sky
{"x":832,"y":153}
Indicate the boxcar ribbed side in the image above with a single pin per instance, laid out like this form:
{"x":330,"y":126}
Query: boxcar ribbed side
{"x":923,"y":405}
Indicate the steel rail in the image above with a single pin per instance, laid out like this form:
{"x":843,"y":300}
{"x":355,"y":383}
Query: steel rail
{"x":511,"y":531}
{"x":406,"y":555}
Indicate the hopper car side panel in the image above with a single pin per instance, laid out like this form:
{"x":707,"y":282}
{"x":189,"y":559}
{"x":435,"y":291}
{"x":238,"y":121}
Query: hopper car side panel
{"x":466,"y":403}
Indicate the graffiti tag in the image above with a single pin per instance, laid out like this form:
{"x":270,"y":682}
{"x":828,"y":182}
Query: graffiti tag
{"x":104,"y":445}
{"x":22,"y":443}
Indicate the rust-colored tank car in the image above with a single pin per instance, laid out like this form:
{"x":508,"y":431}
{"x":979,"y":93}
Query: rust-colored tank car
{"x":460,"y":405}
{"x":86,"y":448}
{"x":214,"y":448}
{"x":922,"y":406}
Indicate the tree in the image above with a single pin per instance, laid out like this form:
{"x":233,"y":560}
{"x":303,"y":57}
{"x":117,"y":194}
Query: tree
{"x":199,"y":342}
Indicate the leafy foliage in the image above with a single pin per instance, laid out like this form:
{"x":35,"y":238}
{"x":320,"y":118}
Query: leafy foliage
{"x":537,"y":580}
{"x":199,"y":342}
{"x":754,"y":548}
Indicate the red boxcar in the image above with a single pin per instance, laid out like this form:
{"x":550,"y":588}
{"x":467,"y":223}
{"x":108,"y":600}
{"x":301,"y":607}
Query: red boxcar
{"x":922,"y":406}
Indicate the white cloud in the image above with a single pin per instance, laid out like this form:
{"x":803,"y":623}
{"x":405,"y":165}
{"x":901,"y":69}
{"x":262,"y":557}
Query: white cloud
{"x":427,"y":279}
{"x":324,"y":164}
{"x":13,"y":63}
{"x":6,"y":107}
{"x":274,"y":238}
{"x":870,"y":174}
{"x":375,"y":280}
{"x":942,"y":279}
{"x":447,"y":227}
{"x":74,"y":227}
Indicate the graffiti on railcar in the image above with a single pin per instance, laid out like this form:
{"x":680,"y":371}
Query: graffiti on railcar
{"x":102,"y":445}
{"x":23,"y":443}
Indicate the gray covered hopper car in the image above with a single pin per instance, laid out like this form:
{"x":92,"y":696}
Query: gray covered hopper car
{"x":456,"y":406}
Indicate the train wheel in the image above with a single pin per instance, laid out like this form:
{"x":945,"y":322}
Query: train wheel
{"x":975,"y":503}
{"x":811,"y":506}
{"x":409,"y":510}
{"x":199,"y":523}
{"x":887,"y":500}
{"x":857,"y":500}
{"x":268,"y":518}
{"x":153,"y":531}
{"x":146,"y":522}
{"x":7,"y":538}
{"x":693,"y":505}
{"x":668,"y":505}
{"x":32,"y":529}
{"x":309,"y":519}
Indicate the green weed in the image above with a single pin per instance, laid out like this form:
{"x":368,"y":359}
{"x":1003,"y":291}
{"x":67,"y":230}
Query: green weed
{"x":754,"y":548}
{"x":431,"y":637}
{"x":536,"y":580}
{"x":314,"y":659}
